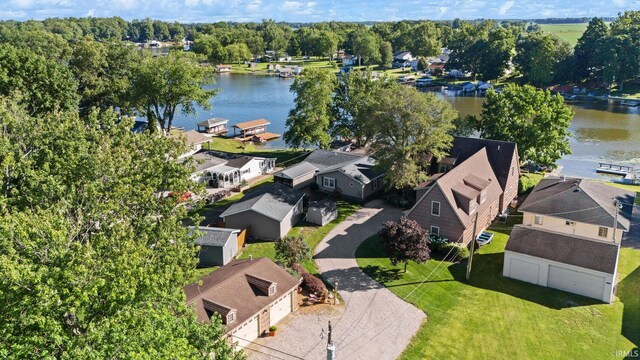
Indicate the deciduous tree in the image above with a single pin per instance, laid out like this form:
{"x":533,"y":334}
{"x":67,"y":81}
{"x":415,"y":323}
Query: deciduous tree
{"x":291,"y":250}
{"x":405,"y":241}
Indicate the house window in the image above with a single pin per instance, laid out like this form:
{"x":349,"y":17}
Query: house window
{"x":538,"y":220}
{"x":434,"y":230}
{"x":329,"y":182}
{"x":569,"y":223}
{"x":603,"y":231}
{"x":272,"y":289}
{"x":246,"y":171}
{"x":231,"y":317}
{"x":435,"y":208}
{"x":444,"y":168}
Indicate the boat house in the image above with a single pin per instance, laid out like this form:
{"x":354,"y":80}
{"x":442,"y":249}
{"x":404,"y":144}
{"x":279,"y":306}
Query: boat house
{"x":254,"y":130}
{"x":214,"y":126}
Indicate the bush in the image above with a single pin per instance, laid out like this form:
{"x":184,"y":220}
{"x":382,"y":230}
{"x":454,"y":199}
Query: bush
{"x":458,"y":251}
{"x":396,"y":200}
{"x":298,"y":268}
{"x":436,"y":242}
{"x":313,"y":283}
{"x":527,"y":183}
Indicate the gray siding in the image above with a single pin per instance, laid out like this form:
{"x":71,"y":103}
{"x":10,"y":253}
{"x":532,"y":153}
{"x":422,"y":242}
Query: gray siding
{"x":291,"y":219}
{"x":347,"y":186}
{"x":217,"y":255}
{"x":257,"y":225}
{"x":303,"y":181}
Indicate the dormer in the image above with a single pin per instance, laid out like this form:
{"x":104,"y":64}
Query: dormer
{"x":267,"y":287}
{"x":478,"y":184}
{"x":227,"y":313}
{"x":466,"y":197}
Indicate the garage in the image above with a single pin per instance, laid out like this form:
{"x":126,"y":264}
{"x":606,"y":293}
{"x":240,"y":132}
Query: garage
{"x":279,"y":309}
{"x":576,"y":282}
{"x":245,"y":333}
{"x":562,"y":261}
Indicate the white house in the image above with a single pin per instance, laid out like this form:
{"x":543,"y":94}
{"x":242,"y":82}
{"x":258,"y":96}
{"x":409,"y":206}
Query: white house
{"x":570,"y":236}
{"x":219,"y":169}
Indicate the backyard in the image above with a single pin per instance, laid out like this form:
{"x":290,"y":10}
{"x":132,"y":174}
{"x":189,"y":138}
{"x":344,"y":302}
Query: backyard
{"x":492,"y":317}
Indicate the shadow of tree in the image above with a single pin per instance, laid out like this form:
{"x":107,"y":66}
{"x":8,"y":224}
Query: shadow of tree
{"x":486,"y":274}
{"x":351,"y":280}
{"x":629,"y":294}
{"x":383,"y":275}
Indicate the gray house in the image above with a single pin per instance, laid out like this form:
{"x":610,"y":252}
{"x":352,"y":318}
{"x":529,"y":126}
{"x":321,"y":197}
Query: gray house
{"x":321,"y":212}
{"x":267,"y":213}
{"x":217,"y":245}
{"x":351,"y":175}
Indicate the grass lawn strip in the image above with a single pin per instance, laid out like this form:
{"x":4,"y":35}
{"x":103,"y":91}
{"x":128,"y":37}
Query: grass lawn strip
{"x":493,"y":317}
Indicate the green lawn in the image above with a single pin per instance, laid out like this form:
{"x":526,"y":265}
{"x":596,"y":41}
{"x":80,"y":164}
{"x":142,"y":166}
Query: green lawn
{"x":634,"y":188}
{"x":312,"y":234}
{"x":286,"y":157}
{"x":567,"y":32}
{"x":492,"y":317}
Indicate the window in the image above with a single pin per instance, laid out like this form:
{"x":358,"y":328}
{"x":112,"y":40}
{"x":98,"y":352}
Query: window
{"x":603,"y":231}
{"x":329,"y":182}
{"x":434,"y":230}
{"x":246,"y":171}
{"x":231,"y":317}
{"x":538,"y":220}
{"x":272,"y":289}
{"x":435,"y":208}
{"x":569,"y":223}
{"x":377,"y":183}
{"x":444,"y":168}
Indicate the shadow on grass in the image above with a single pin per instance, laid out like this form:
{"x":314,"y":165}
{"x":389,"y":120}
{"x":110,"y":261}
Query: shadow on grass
{"x":486,"y":274}
{"x":629,"y":294}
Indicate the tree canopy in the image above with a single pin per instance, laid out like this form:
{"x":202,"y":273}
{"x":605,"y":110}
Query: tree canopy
{"x":534,"y":119}
{"x":291,"y":250}
{"x":404,"y":241}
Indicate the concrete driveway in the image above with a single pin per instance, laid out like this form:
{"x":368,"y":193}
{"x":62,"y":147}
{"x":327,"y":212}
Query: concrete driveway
{"x":373,"y":324}
{"x":632,"y":237}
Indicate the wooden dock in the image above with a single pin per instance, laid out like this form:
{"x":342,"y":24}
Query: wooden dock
{"x":265,"y":136}
{"x":615,"y":169}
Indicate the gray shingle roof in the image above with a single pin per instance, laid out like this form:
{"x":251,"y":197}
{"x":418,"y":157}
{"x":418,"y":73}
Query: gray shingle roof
{"x":363,"y":170}
{"x":580,"y":200}
{"x":214,"y":236}
{"x":212,"y":122}
{"x":563,"y":248}
{"x":297,"y":170}
{"x":191,"y":137}
{"x":274,"y":201}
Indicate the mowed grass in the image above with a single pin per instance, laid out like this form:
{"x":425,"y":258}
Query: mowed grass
{"x":567,"y":32}
{"x":492,"y":317}
{"x":312,"y":234}
{"x":634,"y":188}
{"x":286,"y":157}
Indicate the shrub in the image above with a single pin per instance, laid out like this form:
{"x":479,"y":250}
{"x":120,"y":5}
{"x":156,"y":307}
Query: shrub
{"x":436,"y":242}
{"x":299,"y":269}
{"x":291,"y":250}
{"x":527,"y":183}
{"x":396,"y":200}
{"x":458,"y":251}
{"x":273,"y":328}
{"x":313,"y":283}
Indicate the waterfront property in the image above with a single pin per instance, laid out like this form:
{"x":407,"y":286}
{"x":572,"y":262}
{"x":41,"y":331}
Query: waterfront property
{"x":219,"y":169}
{"x":353,"y":176}
{"x":268,"y":212}
{"x":570,"y":236}
{"x":249,"y":295}
{"x":192,"y":139}
{"x":460,"y":203}
{"x":223,"y":68}
{"x":218,"y":246}
{"x":254,"y":130}
{"x":213,"y":126}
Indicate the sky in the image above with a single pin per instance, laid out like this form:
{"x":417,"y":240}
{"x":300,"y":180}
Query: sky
{"x":191,"y":11}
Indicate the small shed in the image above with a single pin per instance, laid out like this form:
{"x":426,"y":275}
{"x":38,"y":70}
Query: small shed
{"x":218,"y":246}
{"x":321,"y":212}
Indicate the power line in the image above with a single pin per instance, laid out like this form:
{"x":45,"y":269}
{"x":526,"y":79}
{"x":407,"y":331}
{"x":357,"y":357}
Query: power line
{"x":268,"y":347}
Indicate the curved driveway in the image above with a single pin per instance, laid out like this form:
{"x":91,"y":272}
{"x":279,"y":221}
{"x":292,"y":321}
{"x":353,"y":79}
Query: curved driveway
{"x":375,"y":323}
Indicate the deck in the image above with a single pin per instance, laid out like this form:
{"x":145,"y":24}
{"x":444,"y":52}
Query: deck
{"x":266,"y":136}
{"x":614,"y":169}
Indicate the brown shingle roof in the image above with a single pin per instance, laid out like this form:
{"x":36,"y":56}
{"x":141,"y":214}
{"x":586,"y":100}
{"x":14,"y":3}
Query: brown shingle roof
{"x":229,"y":286}
{"x":580,"y":200}
{"x":476,"y":167}
{"x":251,"y":124}
{"x":563,"y":248}
{"x":191,"y":137}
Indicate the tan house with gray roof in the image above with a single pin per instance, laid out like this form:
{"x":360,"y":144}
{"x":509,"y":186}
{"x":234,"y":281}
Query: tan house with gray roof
{"x":249,"y":296}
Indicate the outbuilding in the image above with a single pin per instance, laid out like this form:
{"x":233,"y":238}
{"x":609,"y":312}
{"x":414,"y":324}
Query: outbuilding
{"x":218,"y":246}
{"x":321,"y":212}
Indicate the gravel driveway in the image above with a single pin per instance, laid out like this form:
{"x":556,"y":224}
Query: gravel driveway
{"x":373,"y":324}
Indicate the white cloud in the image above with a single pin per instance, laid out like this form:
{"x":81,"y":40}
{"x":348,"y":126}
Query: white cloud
{"x":443,"y":10}
{"x":125,"y":4}
{"x":91,"y":12}
{"x":502,"y":10}
{"x":619,"y":3}
{"x":299,"y":7}
{"x":13,"y":14}
{"x":254,"y":5}
{"x":22,"y":4}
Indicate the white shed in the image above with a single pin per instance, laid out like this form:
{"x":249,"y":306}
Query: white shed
{"x":566,"y":262}
{"x":321,"y":212}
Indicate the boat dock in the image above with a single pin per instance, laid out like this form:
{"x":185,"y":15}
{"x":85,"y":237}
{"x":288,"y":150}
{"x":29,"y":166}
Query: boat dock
{"x":615,"y":169}
{"x":265,"y":136}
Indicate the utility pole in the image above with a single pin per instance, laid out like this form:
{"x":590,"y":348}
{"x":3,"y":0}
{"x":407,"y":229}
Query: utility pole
{"x":473,"y":245}
{"x":615,"y":221}
{"x":331,"y":349}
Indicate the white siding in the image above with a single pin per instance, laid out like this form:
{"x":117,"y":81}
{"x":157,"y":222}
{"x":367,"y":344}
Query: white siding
{"x":577,"y":282}
{"x":254,"y":169}
{"x":279,"y":309}
{"x":247,"y":332}
{"x":580,"y":229}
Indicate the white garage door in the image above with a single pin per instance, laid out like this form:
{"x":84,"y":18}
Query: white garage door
{"x":576,"y":282}
{"x":525,"y":271}
{"x":280,"y":309}
{"x":246,"y":333}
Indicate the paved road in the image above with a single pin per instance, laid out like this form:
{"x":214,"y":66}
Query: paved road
{"x":632,"y":237}
{"x":373,"y":324}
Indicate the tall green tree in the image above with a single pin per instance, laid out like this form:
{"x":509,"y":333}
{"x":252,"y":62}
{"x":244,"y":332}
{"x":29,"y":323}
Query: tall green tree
{"x":425,"y":40}
{"x":537,"y":57}
{"x":404,"y":124}
{"x":44,"y":85}
{"x":386,"y":54}
{"x":92,"y":260}
{"x":590,"y":52}
{"x":291,"y":250}
{"x":163,"y":85}
{"x":309,"y":120}
{"x":625,"y":44}
{"x":237,"y":53}
{"x":534,"y":119}
{"x":364,"y":44}
{"x":211,"y":48}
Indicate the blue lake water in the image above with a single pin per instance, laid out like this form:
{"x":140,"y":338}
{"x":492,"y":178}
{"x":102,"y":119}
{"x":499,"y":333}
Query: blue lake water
{"x":602,"y":132}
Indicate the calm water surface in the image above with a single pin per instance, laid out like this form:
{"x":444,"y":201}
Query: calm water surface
{"x":602,"y":132}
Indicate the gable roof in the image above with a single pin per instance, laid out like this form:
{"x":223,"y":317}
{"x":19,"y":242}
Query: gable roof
{"x":207,"y":159}
{"x":464,"y":180}
{"x":214,"y":236}
{"x":212,"y":122}
{"x":191,"y":137}
{"x":251,"y":124}
{"x":362,"y":170}
{"x":563,"y":248}
{"x":274,"y":201}
{"x":499,"y":153}
{"x":212,"y":158}
{"x":229,"y":287}
{"x":581,"y":200}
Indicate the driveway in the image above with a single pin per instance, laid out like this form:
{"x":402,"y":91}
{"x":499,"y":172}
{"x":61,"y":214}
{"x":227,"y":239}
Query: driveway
{"x":632,"y":237}
{"x":373,"y":324}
